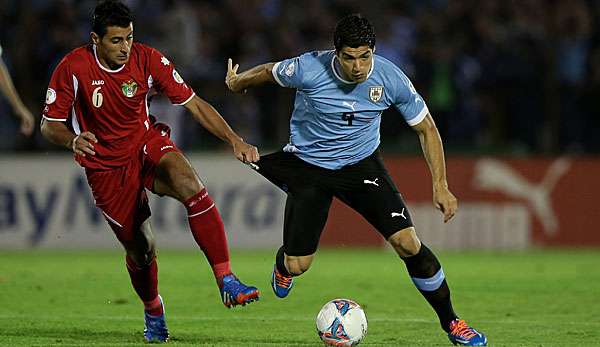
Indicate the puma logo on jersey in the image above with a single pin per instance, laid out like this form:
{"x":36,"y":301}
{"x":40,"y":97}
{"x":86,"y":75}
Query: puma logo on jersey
{"x":97,"y":82}
{"x":163,"y":133}
{"x":349,"y":104}
{"x":401,"y":214}
{"x":374,"y":182}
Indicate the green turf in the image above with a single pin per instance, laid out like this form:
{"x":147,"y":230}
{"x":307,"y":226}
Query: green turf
{"x":534,"y":298}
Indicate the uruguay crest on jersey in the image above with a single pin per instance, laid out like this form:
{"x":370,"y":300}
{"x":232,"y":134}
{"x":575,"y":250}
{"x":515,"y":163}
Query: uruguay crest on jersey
{"x":375,"y":93}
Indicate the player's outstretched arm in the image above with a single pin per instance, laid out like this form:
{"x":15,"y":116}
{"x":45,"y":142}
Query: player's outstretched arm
{"x":212,"y":121}
{"x":256,"y":76}
{"x":433,"y":150}
{"x":59,"y":134}
{"x":8,"y":89}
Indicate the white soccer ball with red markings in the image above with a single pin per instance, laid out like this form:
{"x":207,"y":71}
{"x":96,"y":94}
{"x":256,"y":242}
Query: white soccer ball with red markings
{"x":341,"y":322}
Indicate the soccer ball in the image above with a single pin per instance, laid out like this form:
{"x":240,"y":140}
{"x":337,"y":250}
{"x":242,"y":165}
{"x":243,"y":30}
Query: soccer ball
{"x":341,"y":322}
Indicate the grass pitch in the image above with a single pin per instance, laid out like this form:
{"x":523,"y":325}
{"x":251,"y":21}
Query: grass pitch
{"x":533,"y":298}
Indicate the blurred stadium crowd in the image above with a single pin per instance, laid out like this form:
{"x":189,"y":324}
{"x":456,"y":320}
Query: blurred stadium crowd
{"x":499,"y":76}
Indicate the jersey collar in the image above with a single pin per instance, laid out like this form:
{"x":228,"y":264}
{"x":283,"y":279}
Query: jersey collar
{"x":335,"y":72}
{"x":102,"y":66}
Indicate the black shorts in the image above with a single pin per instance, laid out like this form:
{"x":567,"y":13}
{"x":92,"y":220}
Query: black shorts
{"x":365,"y":186}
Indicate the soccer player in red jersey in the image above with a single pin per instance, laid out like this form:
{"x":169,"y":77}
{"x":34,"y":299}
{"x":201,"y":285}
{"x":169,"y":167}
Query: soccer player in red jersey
{"x":97,"y":106}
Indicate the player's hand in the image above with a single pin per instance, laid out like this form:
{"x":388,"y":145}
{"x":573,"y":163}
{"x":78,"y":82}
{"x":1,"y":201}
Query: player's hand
{"x":231,"y":79}
{"x":84,"y":143}
{"x":445,"y":201}
{"x":26,"y":121}
{"x":245,"y":153}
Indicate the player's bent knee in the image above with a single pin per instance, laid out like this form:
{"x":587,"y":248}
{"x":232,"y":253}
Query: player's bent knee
{"x":187,"y":184}
{"x":141,"y":259}
{"x":178,"y":176}
{"x":150,"y":252}
{"x":142,"y":250}
{"x":405,"y":242}
{"x":149,"y":256}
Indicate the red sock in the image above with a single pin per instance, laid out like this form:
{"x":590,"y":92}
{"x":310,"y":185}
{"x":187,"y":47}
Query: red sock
{"x":208,"y":230}
{"x":154,"y":307}
{"x":145,"y":282}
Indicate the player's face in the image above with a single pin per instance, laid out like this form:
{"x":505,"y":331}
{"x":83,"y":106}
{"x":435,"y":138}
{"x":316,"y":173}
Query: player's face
{"x":114,"y":47}
{"x":356,"y":62}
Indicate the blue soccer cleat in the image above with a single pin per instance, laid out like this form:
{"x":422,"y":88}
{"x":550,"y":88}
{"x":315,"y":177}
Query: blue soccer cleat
{"x":234,"y":292}
{"x":281,"y":284}
{"x":463,"y":335}
{"x":155,"y":327}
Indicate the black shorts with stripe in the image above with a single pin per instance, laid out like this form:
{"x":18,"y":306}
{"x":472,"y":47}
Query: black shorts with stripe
{"x":365,"y":186}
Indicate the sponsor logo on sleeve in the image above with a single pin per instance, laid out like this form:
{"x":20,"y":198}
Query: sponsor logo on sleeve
{"x":177,"y":77}
{"x":50,"y":96}
{"x":290,"y":69}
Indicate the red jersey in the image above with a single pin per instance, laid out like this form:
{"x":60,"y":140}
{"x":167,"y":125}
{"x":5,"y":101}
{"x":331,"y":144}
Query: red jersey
{"x":112,"y":104}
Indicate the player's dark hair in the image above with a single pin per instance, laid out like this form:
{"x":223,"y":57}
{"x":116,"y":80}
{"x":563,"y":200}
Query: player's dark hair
{"x":353,"y":31}
{"x":110,"y":13}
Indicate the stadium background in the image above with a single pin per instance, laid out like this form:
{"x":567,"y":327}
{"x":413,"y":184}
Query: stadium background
{"x":512,"y":84}
{"x":513,"y":87}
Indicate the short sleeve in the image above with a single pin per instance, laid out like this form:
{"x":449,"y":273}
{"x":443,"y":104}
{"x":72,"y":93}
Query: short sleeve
{"x":408,"y":102}
{"x":290,"y":72}
{"x":61,"y":93}
{"x":167,"y":80}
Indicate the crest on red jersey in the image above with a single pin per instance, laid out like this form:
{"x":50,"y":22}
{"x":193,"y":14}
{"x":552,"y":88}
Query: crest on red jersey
{"x":50,"y":96}
{"x":129,"y":88}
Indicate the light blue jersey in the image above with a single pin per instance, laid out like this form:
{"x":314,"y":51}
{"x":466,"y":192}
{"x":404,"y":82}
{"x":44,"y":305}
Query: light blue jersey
{"x":336,"y":122}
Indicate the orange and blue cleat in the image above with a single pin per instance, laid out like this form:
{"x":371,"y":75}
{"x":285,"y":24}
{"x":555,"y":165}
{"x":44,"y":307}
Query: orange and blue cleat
{"x":234,"y":292}
{"x":463,"y":335}
{"x":155,"y":327}
{"x":281,"y":284}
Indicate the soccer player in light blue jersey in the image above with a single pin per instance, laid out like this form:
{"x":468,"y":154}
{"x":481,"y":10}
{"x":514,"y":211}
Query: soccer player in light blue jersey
{"x":333,"y":152}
